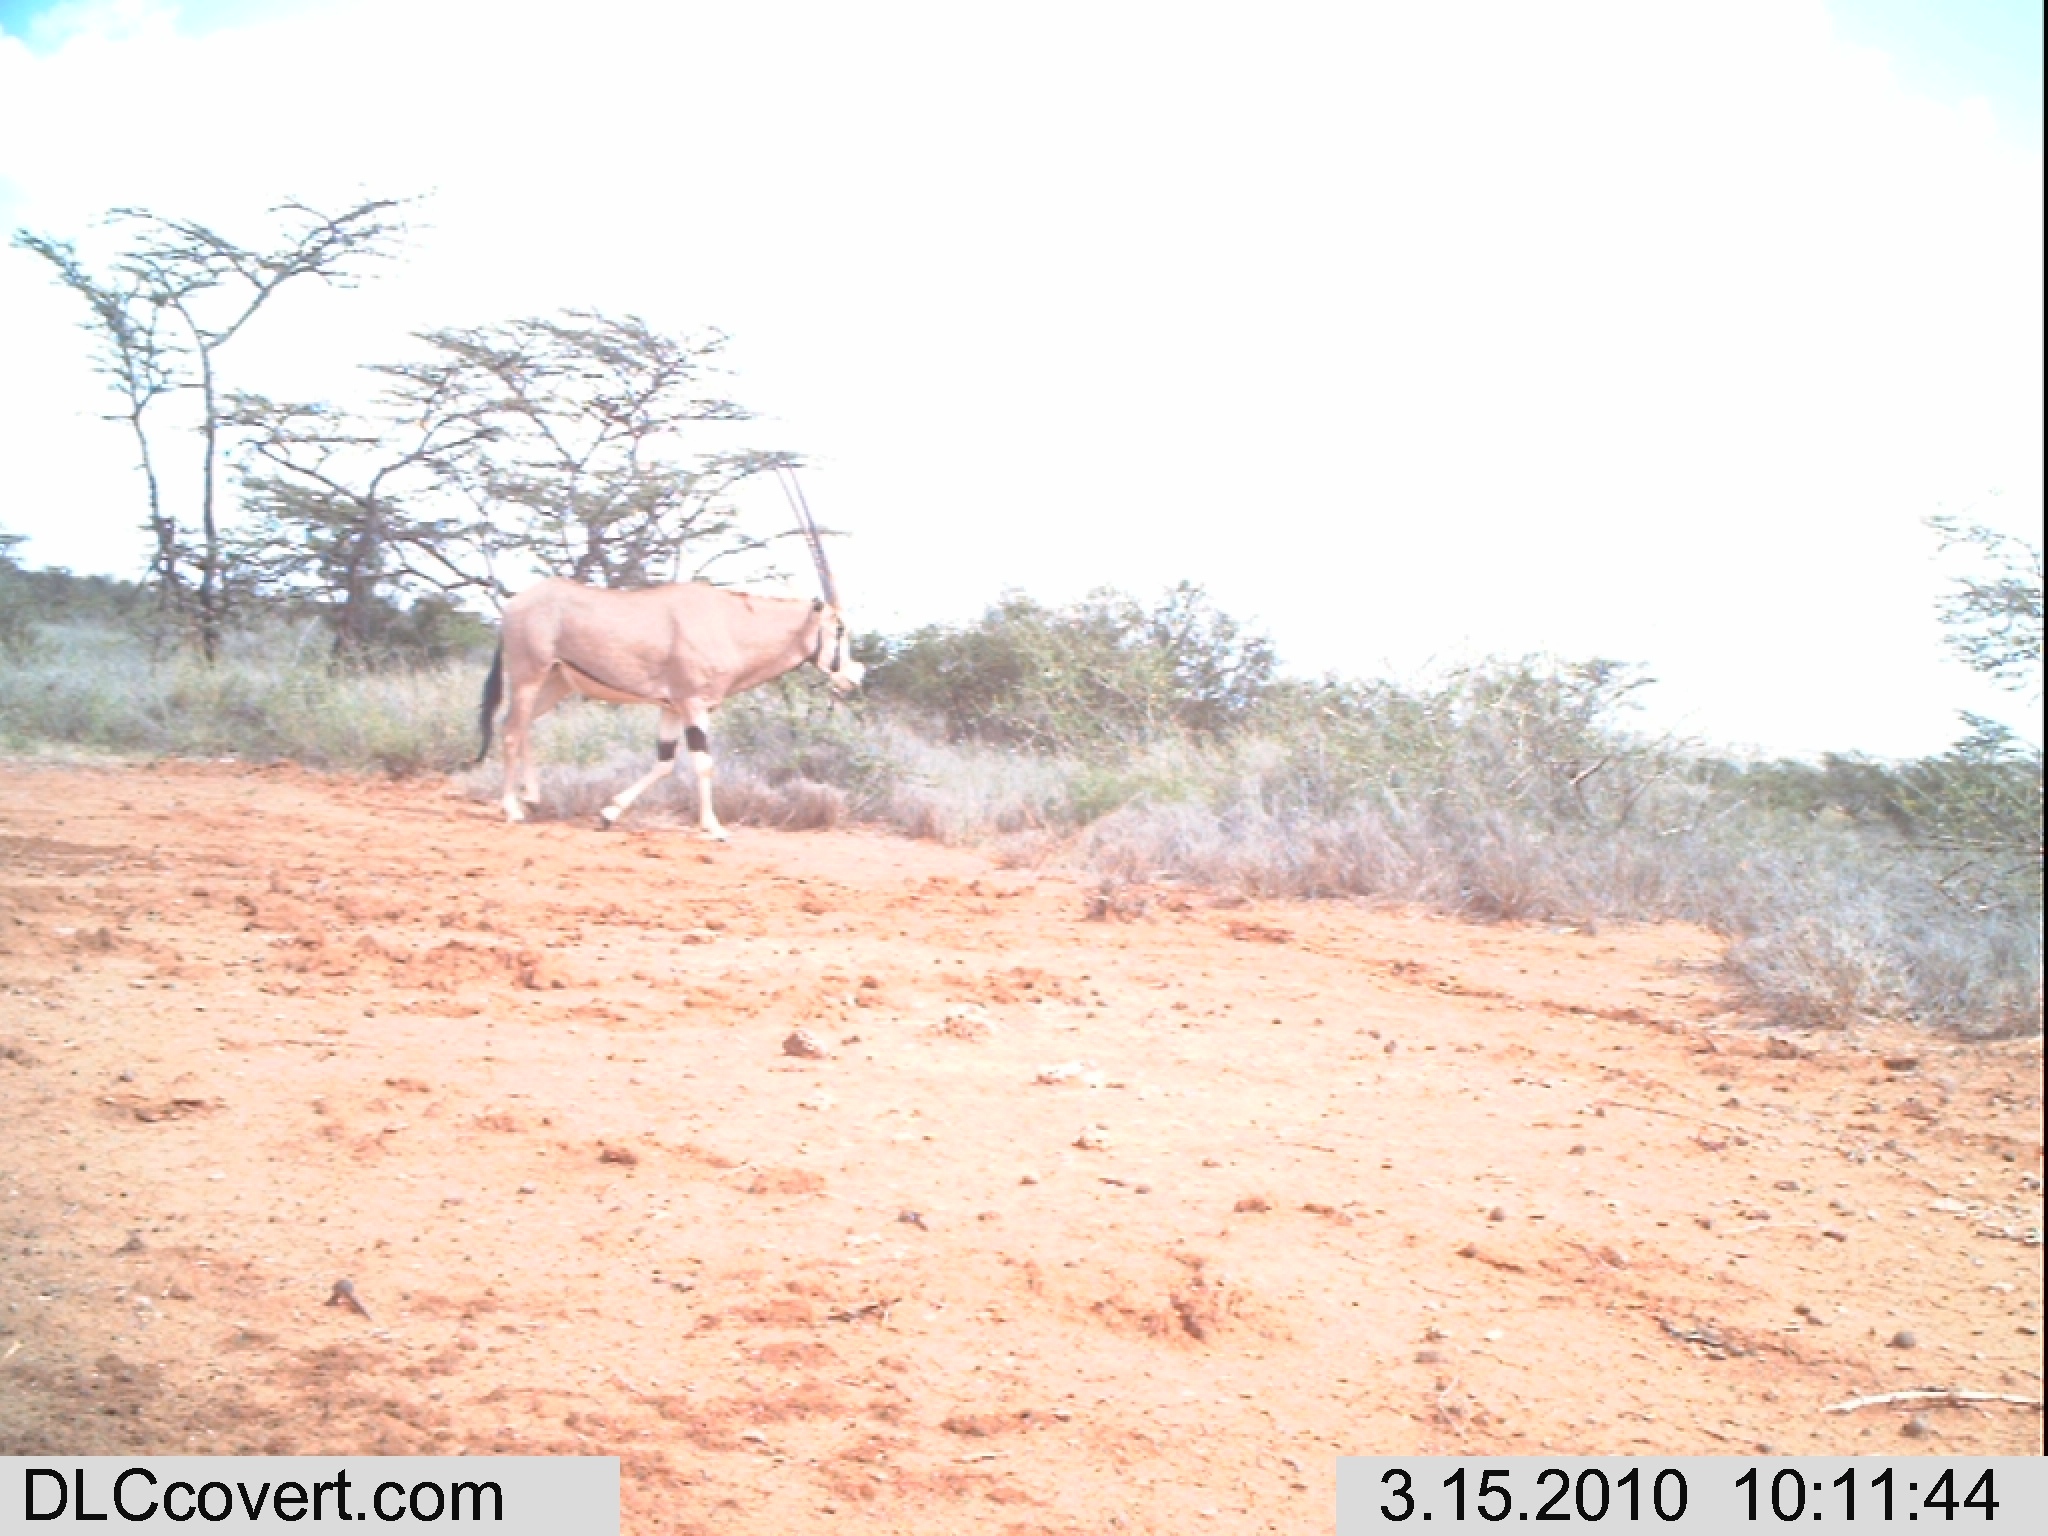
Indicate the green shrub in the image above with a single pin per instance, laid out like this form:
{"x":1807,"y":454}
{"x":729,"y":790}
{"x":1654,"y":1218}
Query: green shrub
{"x":1100,"y":675}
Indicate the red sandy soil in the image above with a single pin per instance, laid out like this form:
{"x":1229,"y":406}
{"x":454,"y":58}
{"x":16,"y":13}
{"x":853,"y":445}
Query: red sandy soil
{"x":1307,"y":1179}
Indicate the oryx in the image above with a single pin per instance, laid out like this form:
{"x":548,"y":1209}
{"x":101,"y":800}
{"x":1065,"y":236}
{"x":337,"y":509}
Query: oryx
{"x":685,"y":647}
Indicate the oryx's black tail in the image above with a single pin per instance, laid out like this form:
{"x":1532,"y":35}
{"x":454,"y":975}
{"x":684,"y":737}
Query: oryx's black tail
{"x":494,"y":691}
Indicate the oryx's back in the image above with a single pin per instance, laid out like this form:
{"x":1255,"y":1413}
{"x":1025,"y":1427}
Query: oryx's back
{"x":663,"y":644}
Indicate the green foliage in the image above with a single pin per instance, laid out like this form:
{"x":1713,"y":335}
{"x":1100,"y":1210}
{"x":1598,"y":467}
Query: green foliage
{"x":342,"y":514}
{"x":1978,"y":807}
{"x":389,"y":632}
{"x":1843,"y":787}
{"x":1542,"y":739}
{"x":1103,"y":674}
{"x":429,"y":630}
{"x":593,"y":444}
{"x":1218,"y":670}
{"x":793,"y":731}
{"x":1994,"y":618}
{"x":17,"y":627}
{"x":582,"y":445}
{"x":31,"y":601}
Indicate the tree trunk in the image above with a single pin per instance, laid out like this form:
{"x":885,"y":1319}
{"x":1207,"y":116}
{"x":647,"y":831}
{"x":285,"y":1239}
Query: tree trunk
{"x":211,"y":598}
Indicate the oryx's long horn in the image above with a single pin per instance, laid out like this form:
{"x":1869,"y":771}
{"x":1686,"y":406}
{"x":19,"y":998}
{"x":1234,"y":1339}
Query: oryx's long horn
{"x":795,"y":492}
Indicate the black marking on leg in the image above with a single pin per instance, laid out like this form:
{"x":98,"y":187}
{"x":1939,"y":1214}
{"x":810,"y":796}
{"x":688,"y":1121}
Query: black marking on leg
{"x":695,"y":738}
{"x":665,"y":750}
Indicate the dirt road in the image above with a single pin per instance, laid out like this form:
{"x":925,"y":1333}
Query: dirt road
{"x":1100,"y":1211}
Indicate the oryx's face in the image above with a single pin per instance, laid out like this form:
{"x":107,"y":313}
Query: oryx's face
{"x":834,"y":656}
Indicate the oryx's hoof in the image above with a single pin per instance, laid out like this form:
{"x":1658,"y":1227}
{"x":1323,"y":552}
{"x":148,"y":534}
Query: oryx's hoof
{"x":608,"y":818}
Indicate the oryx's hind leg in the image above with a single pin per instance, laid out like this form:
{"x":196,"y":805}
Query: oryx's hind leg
{"x":518,"y":728}
{"x":522,"y":777}
{"x":665,"y":752}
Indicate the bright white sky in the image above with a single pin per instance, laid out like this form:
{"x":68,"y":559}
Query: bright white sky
{"x":1415,"y":333}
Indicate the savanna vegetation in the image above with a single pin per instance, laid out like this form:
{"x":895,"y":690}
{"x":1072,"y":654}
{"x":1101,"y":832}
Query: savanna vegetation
{"x":328,"y":612}
{"x":1152,"y":743}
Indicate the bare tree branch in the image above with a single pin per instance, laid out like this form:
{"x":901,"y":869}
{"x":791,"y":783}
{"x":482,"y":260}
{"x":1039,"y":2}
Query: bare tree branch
{"x":178,"y":293}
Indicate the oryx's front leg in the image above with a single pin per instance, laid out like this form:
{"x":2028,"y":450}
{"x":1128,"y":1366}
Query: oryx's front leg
{"x":672,"y":727}
{"x":700,"y":759}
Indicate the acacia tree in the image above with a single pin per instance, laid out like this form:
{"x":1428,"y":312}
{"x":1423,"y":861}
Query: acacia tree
{"x":589,"y":463}
{"x":132,"y":351}
{"x":178,"y":293}
{"x":1982,"y":801}
{"x":562,"y":446}
{"x":344,"y":508}
{"x":1994,"y":620}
